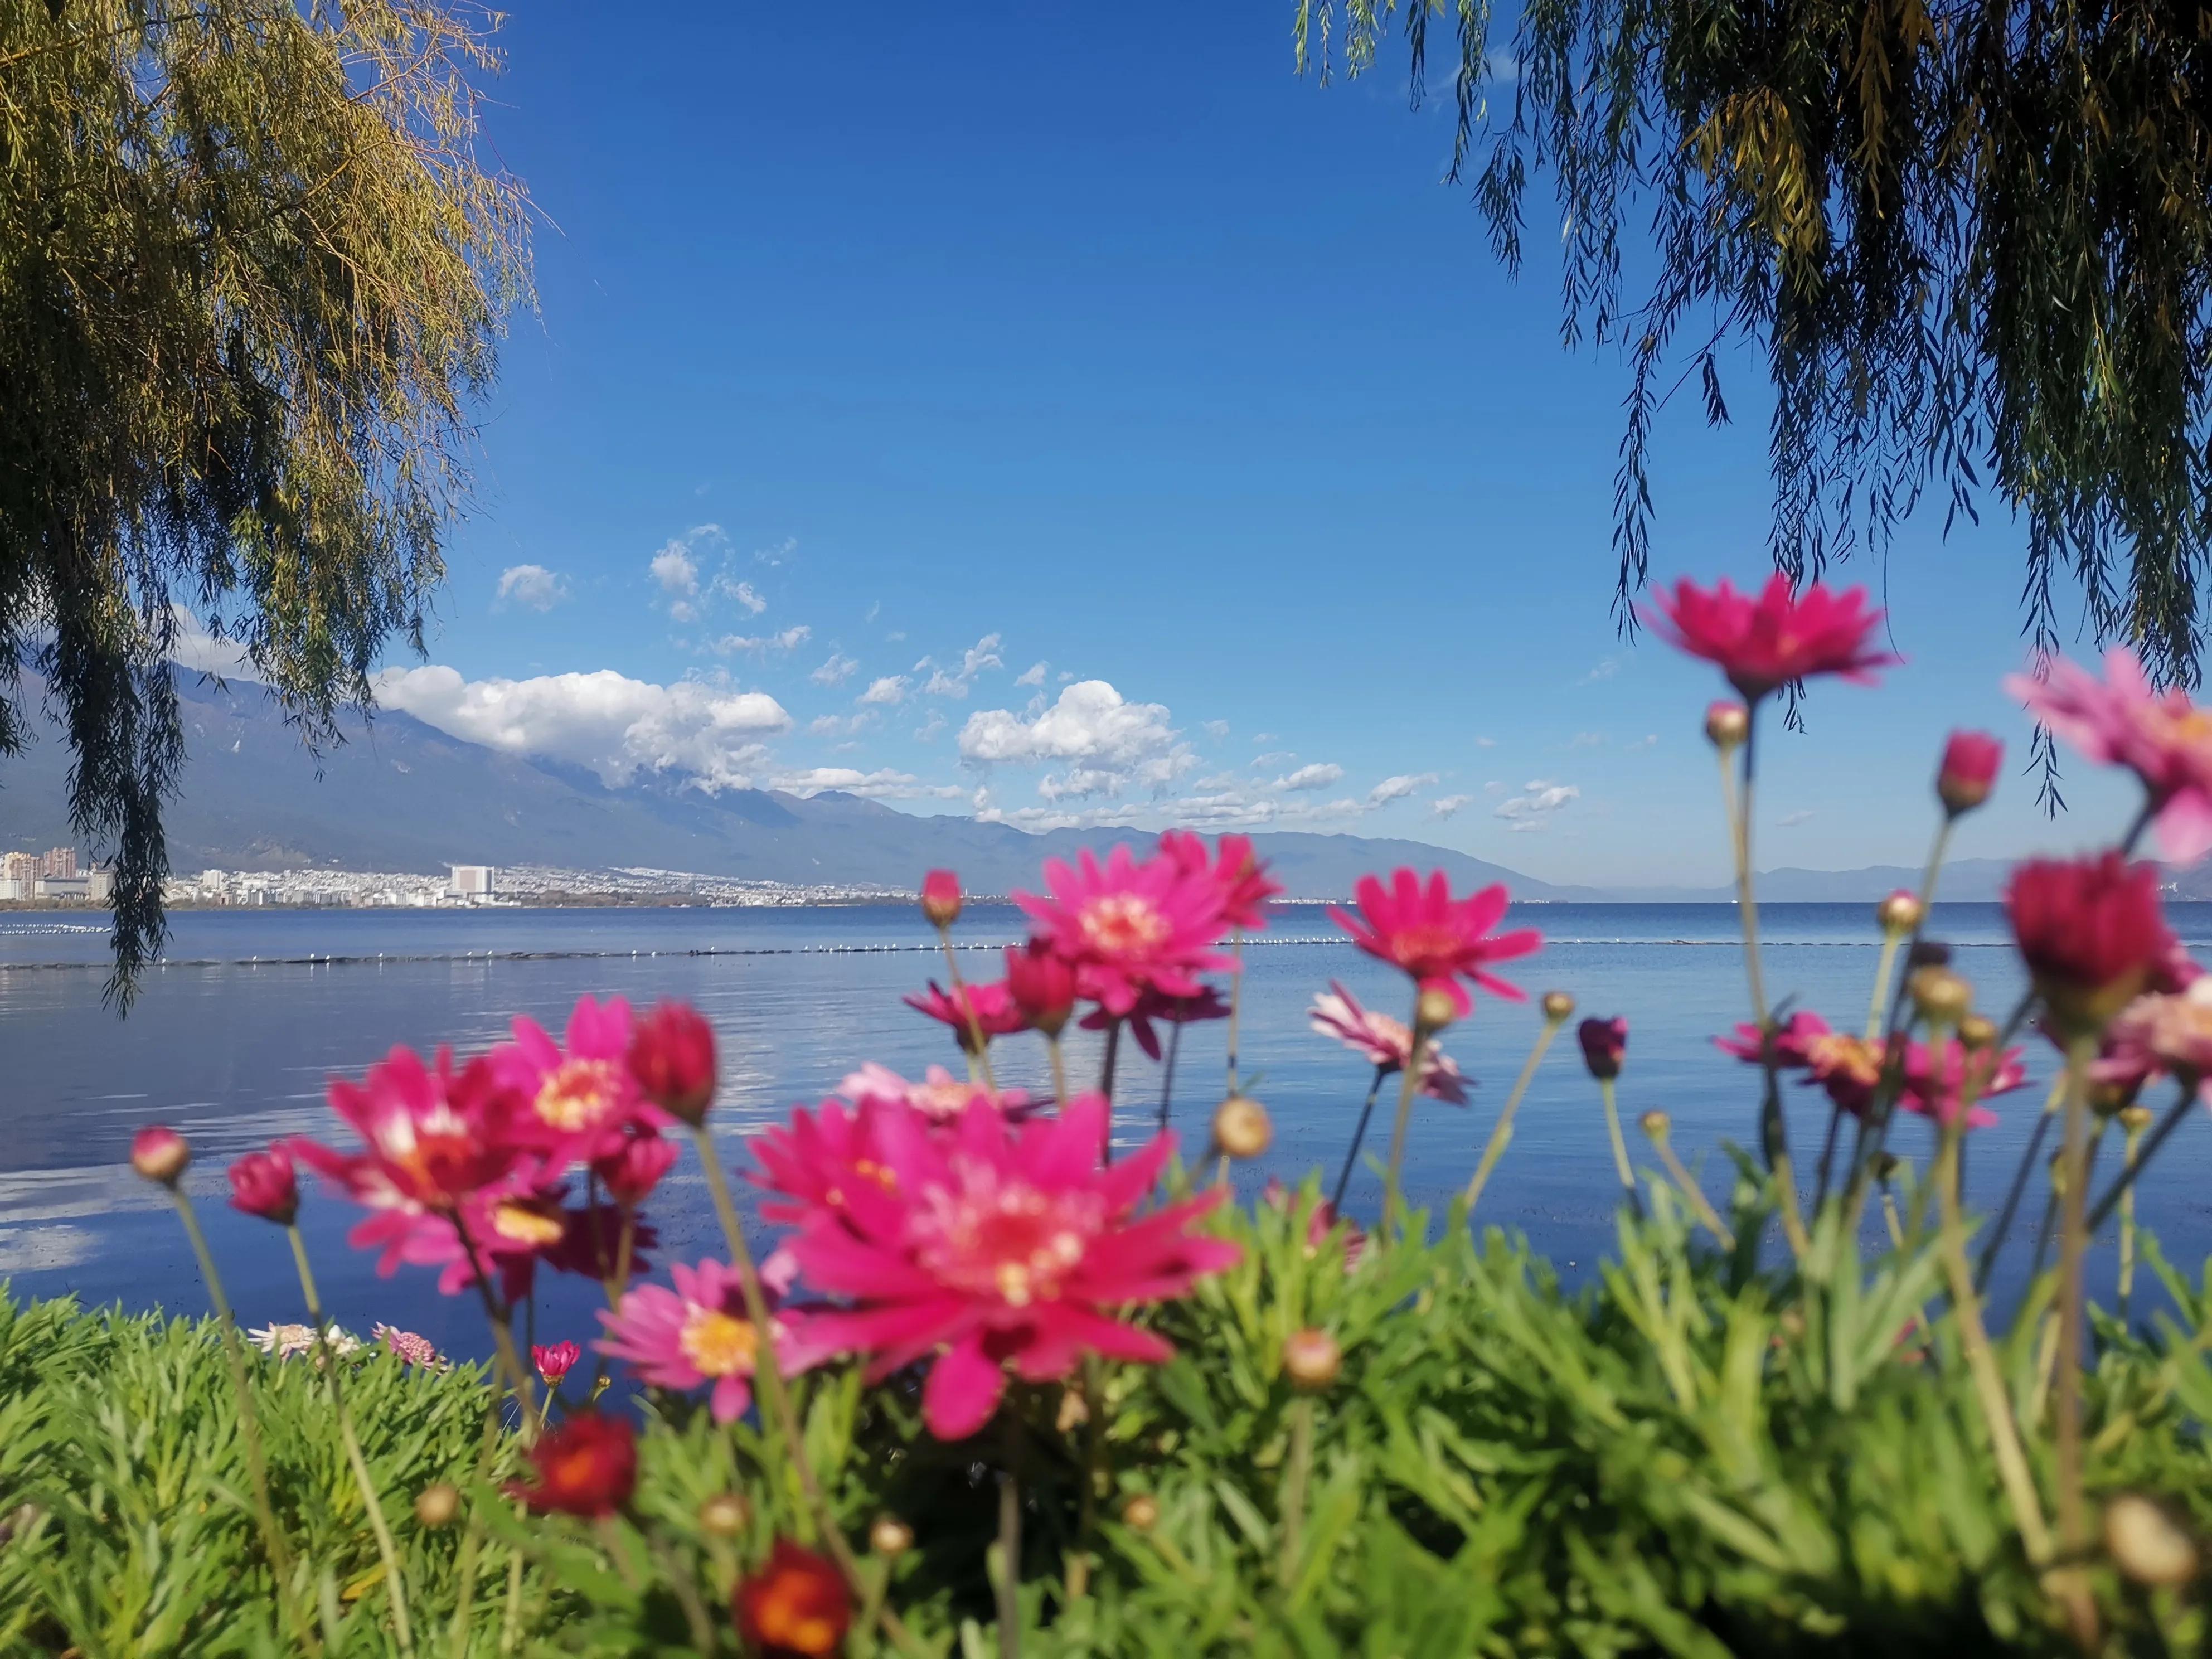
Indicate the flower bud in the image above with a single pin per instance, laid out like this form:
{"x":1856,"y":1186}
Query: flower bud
{"x":1042,"y":986}
{"x":725,"y":1515}
{"x":1969,"y":771}
{"x":1900,"y":913}
{"x":1242,"y":1128}
{"x":1559,"y":1008}
{"x":1978,"y":1032}
{"x":1434,"y":1008}
{"x":1928,"y":953}
{"x":264,"y":1184}
{"x":160,"y":1155}
{"x":1312,"y":1360}
{"x":1654,"y":1123}
{"x":671,"y":1055}
{"x":2146,"y":1543}
{"x":1726,"y":725}
{"x":1882,"y":1165}
{"x":2109,"y":1099}
{"x":940,"y":897}
{"x":1074,"y":1412}
{"x":1942,"y":998}
{"x":1605,"y":1044}
{"x":1141,"y":1513}
{"x":2135,"y":1119}
{"x":435,"y":1506}
{"x":890,"y":1537}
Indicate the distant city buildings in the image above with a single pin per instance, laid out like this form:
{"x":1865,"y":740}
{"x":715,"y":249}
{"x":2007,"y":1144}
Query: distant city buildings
{"x":53,"y":874}
{"x":471,"y":881}
{"x":478,"y":885}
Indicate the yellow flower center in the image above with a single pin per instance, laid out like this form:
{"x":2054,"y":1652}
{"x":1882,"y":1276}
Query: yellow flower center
{"x":1120,"y":924}
{"x":578,"y":1095}
{"x":718,"y":1343}
{"x":527,"y":1224}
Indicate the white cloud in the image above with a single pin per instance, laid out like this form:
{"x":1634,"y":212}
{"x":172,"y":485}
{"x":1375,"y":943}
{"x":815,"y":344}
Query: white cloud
{"x":1587,"y":740}
{"x":1485,"y":742}
{"x":1792,"y":820}
{"x":1217,"y":729}
{"x":933,"y":728}
{"x":1605,"y":669}
{"x":674,"y":568}
{"x":835,"y":671}
{"x":983,"y":655}
{"x":1274,"y":757}
{"x":1397,"y":788}
{"x":532,"y":586}
{"x":1444,"y":806}
{"x":617,"y":726}
{"x":1649,"y":740}
{"x":781,"y":553}
{"x":944,"y":682}
{"x":1033,"y":675}
{"x":194,"y":646}
{"x":744,"y":592}
{"x":1533,"y":807}
{"x":1319,"y":776}
{"x":882,"y":784}
{"x":888,"y":689}
{"x":841,"y":726}
{"x":789,"y":640}
{"x":1094,"y":730}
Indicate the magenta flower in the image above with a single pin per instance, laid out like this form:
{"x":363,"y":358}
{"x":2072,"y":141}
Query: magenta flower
{"x":989,"y":1006}
{"x":1780,"y":636}
{"x":994,"y":1246}
{"x":1434,"y":937}
{"x":1385,"y":1042}
{"x":555,"y":1360}
{"x":1793,"y":1040}
{"x":1152,"y":1007}
{"x":577,"y":1097}
{"x":636,"y":1165}
{"x":1936,"y":1083}
{"x":1846,"y":1064}
{"x":820,"y":1158}
{"x":2163,"y":739}
{"x":695,"y":1334}
{"x":1127,"y":928}
{"x":1245,"y":884}
{"x":940,"y":1096}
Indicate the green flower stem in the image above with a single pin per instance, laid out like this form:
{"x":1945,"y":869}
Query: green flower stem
{"x":980,"y":1053}
{"x":1009,"y":1575}
{"x":1693,"y":1193}
{"x":1094,"y":1474}
{"x":1059,"y":1071}
{"x":1393,"y":1192}
{"x":780,"y":1420}
{"x":1296,"y":1476}
{"x":1883,"y":968}
{"x":1106,"y":1087}
{"x":471,"y":1550}
{"x":394,"y":1576}
{"x":2128,"y":1220}
{"x":1502,"y":1132}
{"x":1358,"y":1136}
{"x":2074,"y":1240}
{"x":2019,"y":1187}
{"x":249,"y":1420}
{"x":2124,"y":1182}
{"x":1168,"y":1071}
{"x":1236,"y":1004}
{"x":1605,"y":1092}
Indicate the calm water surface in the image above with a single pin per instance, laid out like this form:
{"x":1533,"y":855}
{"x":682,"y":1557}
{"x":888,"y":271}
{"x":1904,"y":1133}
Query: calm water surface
{"x":232,"y":1042}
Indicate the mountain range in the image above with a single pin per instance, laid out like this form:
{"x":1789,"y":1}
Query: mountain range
{"x":401,"y":795}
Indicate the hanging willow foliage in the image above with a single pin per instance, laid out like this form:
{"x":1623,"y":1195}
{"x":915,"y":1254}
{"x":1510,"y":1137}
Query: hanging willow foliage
{"x":1974,"y":240}
{"x":252,"y":275}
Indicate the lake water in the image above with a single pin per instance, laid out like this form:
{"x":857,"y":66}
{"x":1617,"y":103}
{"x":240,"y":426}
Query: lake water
{"x":232,"y":1040}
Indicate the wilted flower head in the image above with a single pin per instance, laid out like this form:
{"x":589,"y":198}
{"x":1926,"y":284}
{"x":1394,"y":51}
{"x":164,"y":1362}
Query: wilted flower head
{"x":2091,"y":930}
{"x":575,"y":1098}
{"x":995,"y":1245}
{"x":671,"y":1058}
{"x":796,"y":1606}
{"x":1435,"y":938}
{"x":555,"y":1360}
{"x":587,"y":1467}
{"x":1128,"y":927}
{"x":987,"y":1007}
{"x":1780,"y":636}
{"x":264,"y":1184}
{"x":697,"y":1333}
{"x":2163,"y":739}
{"x":939,"y":1096}
{"x":1385,"y":1042}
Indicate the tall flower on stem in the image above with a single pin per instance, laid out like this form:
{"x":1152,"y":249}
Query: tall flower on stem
{"x":1042,"y":984}
{"x":1246,"y":887}
{"x":1004,"y":1245}
{"x":1387,"y":1045}
{"x":1605,"y":1046}
{"x":2163,"y":738}
{"x":1127,"y":928}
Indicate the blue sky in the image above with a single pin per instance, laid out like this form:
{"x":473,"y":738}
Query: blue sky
{"x":1069,"y":414}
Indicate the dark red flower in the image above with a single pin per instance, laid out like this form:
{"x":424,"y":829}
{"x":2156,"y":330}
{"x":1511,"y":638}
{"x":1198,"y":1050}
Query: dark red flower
{"x":1041,"y":983}
{"x":2091,"y":930}
{"x":1780,"y":636}
{"x":1969,"y":771}
{"x":671,"y":1055}
{"x":796,"y":1606}
{"x":264,"y":1184}
{"x":587,"y":1466}
{"x":1605,"y":1044}
{"x":160,"y":1154}
{"x":1208,"y":1003}
{"x":940,"y":897}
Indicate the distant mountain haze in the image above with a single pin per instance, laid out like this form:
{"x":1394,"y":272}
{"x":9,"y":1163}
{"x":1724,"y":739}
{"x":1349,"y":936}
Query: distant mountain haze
{"x":401,"y":795}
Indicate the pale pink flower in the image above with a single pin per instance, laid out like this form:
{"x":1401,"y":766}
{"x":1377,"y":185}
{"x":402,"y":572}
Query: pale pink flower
{"x":695,"y":1334}
{"x":939,"y":1096}
{"x":2162,"y":1031}
{"x":1127,"y":928}
{"x":410,"y":1348}
{"x":1385,"y":1042}
{"x":2164,"y":739}
{"x":994,"y":1246}
{"x":578,"y":1096}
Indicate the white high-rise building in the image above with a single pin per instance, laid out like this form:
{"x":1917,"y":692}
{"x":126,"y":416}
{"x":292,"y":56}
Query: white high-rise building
{"x":471,"y":881}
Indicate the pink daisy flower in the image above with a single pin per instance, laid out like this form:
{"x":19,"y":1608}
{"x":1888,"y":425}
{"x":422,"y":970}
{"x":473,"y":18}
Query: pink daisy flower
{"x":2163,"y":739}
{"x":1935,"y":1082}
{"x":1780,"y":636}
{"x":697,"y":1333}
{"x":577,"y":1096}
{"x":432,"y":1141}
{"x":1847,"y":1065}
{"x":1153,"y":1007}
{"x":1385,"y":1042}
{"x":1434,"y":937}
{"x":997,"y":1246}
{"x":989,"y":1005}
{"x":1245,"y":885}
{"x":1128,"y":927}
{"x":411,"y":1349}
{"x":2159,"y":1032}
{"x":939,"y":1096}
{"x":820,"y":1158}
{"x":1793,"y":1041}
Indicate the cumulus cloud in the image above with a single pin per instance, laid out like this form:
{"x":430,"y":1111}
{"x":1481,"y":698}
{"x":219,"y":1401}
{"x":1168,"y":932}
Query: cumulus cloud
{"x":1535,"y":806}
{"x":1444,"y":806}
{"x":1091,"y":729}
{"x":931,"y":729}
{"x":532,"y":586}
{"x":744,"y":592}
{"x":1319,"y":776}
{"x":835,"y":671}
{"x":1033,"y":675}
{"x":880,"y":785}
{"x":888,"y":689}
{"x":946,"y":681}
{"x":675,"y":568}
{"x":619,"y":728}
{"x":1398,"y":788}
{"x":1217,"y":729}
